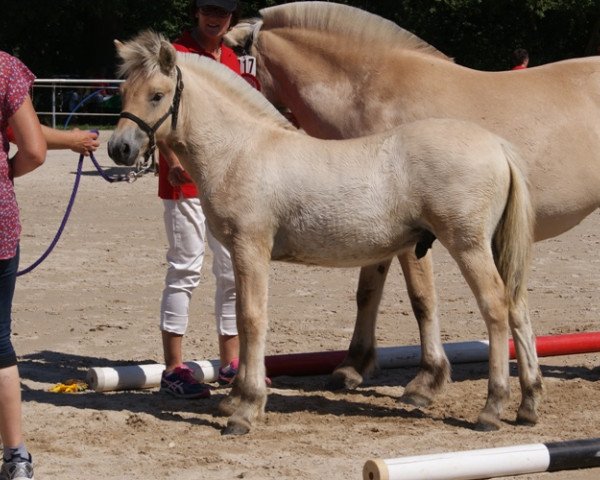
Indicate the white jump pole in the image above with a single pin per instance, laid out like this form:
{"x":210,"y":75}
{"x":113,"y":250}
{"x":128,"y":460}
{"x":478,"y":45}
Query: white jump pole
{"x":488,"y":463}
{"x":131,"y":377}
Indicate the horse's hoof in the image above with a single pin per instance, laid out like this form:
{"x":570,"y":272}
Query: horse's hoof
{"x":344,"y":379}
{"x":416,"y":400}
{"x":527,"y":418}
{"x":235,"y":429}
{"x":228,"y":405}
{"x":486,"y":427}
{"x":487,"y":423}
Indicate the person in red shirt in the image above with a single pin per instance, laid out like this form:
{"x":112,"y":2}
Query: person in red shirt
{"x":186,"y":229}
{"x":520,"y":59}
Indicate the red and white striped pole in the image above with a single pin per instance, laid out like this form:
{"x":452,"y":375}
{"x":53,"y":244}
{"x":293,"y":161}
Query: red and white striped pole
{"x":103,"y":379}
{"x":322,"y":363}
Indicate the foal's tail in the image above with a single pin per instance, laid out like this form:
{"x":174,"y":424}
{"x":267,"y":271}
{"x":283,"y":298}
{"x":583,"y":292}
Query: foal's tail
{"x":513,"y":238}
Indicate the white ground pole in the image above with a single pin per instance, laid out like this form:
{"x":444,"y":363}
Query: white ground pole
{"x":130,"y":377}
{"x":488,"y":463}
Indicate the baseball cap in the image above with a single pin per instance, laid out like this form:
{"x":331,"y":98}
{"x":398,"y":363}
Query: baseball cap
{"x":228,"y":5}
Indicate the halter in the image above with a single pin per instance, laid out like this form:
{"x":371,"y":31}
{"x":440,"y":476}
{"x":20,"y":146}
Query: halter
{"x":151,"y":130}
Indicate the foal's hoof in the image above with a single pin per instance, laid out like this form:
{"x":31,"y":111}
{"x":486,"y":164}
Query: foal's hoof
{"x":416,"y":400}
{"x":486,"y":427}
{"x":487,"y":423}
{"x":235,"y":429}
{"x":228,"y":405}
{"x":345,"y":378}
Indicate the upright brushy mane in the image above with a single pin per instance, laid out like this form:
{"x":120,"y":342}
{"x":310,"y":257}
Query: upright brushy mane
{"x":225,"y":80}
{"x":140,"y":55}
{"x":349,"y":21}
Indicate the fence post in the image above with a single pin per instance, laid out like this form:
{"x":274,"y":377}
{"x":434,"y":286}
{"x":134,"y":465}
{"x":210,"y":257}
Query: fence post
{"x":54,"y":106}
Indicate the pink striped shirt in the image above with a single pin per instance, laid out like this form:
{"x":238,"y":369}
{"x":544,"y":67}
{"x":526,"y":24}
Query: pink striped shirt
{"x":15,"y":82}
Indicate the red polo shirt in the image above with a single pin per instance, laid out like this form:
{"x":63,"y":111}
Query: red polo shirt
{"x":187,"y":44}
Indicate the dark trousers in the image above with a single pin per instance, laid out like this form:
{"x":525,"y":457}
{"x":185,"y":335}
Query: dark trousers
{"x":8,"y":279}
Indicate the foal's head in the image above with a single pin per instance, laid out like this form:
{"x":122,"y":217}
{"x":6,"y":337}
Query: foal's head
{"x":150,"y":95}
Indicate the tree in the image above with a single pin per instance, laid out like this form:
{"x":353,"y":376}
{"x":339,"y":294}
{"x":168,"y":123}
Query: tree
{"x":75,"y":37}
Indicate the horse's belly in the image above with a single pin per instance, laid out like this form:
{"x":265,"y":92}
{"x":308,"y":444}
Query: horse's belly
{"x":344,"y":250}
{"x":552,"y":224}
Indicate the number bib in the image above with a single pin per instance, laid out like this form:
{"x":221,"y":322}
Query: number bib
{"x":248,"y":64}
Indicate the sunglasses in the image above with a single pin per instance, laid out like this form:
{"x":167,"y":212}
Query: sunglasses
{"x":211,"y":11}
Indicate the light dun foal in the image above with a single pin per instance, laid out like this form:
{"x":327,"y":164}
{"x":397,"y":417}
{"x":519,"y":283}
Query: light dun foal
{"x":270,"y":192}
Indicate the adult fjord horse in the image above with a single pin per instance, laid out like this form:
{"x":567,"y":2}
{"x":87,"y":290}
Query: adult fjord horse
{"x":270,"y":192}
{"x":345,"y":73}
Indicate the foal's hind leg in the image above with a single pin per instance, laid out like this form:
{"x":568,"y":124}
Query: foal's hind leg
{"x":478,"y":268}
{"x":530,"y":376}
{"x":362,"y":356}
{"x":434,"y":372}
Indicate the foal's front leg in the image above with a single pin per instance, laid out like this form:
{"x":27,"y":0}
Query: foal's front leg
{"x":362,"y":357}
{"x":248,"y":396}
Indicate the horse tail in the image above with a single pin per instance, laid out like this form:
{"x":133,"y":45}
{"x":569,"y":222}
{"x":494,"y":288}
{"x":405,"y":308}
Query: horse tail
{"x":513,"y":238}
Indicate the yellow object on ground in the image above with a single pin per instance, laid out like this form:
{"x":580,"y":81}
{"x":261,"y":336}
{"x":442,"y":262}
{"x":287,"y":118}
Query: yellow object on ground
{"x":69,"y":386}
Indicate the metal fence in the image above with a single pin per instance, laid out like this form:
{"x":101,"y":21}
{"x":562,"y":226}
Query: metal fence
{"x":60,"y":101}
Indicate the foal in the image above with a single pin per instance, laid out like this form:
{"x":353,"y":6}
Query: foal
{"x":270,"y":192}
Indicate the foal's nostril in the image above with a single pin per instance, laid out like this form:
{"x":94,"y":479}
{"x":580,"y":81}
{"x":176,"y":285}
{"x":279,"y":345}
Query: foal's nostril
{"x":125,"y":150}
{"x":119,"y":151}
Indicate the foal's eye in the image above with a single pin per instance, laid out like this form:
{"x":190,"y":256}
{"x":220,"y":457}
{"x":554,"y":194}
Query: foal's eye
{"x":157,"y":97}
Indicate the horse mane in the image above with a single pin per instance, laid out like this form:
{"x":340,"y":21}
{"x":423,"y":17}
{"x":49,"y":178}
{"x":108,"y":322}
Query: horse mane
{"x":140,"y":54}
{"x":351,"y":22}
{"x":235,"y":87}
{"x":140,"y":57}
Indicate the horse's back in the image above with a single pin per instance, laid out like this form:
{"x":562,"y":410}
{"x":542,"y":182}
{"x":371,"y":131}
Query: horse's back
{"x":365,"y":199}
{"x":457,"y":167}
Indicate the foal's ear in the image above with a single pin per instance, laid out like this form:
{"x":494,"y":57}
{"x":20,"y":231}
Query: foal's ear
{"x":118,"y":47}
{"x":167,"y":57}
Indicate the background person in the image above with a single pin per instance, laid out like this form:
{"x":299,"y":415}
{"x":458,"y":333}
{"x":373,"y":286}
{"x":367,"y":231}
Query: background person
{"x":520,"y":59}
{"x":186,"y":229}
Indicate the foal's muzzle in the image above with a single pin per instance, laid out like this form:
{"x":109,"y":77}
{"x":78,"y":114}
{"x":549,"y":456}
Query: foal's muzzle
{"x":124,"y":148}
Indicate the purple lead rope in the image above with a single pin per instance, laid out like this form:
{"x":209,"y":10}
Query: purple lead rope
{"x":63,"y":223}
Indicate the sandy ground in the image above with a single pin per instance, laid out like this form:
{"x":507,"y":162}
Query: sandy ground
{"x":95,"y":302}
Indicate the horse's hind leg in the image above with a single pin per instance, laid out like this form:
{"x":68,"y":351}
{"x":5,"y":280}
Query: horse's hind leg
{"x":362,"y":356}
{"x":530,"y":376}
{"x":434,"y":371}
{"x":478,"y":268}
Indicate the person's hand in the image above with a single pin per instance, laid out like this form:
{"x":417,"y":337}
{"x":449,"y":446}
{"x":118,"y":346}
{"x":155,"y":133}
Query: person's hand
{"x":83,"y":141}
{"x":178,"y":176}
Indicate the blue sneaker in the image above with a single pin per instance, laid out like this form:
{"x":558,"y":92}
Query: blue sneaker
{"x":228,"y":372}
{"x":181,"y":384}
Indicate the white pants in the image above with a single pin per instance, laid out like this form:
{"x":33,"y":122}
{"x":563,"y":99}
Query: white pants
{"x":185,"y":225}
